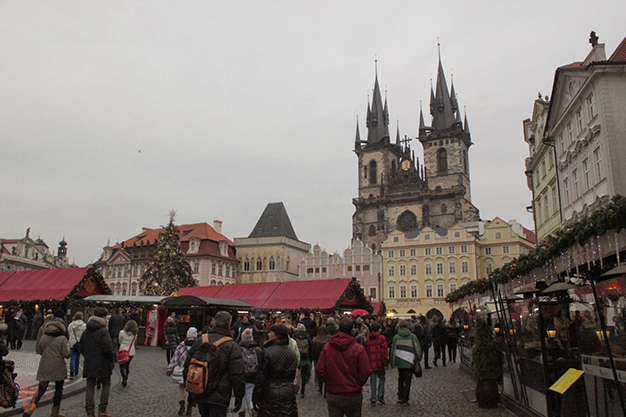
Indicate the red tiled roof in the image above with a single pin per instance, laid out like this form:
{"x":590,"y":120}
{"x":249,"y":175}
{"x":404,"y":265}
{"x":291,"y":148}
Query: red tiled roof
{"x":530,"y":235}
{"x":41,"y":284}
{"x":186,"y":232}
{"x":573,"y":65}
{"x":619,"y":55}
{"x":288,"y":295}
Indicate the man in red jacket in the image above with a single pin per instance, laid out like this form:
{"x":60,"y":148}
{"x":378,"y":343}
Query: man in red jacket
{"x":344,"y":367}
{"x":376,"y":348}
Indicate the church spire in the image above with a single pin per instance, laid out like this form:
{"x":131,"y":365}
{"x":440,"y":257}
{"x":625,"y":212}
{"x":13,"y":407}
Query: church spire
{"x":398,"y":133}
{"x":442,"y":111}
{"x":466,"y":128}
{"x":378,"y":116}
{"x":357,"y":139}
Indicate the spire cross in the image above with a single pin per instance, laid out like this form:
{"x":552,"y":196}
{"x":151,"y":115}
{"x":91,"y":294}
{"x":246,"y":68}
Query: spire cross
{"x":405,"y":141}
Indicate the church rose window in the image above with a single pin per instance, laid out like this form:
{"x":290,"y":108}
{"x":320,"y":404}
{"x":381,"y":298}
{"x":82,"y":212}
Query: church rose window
{"x":407,"y":221}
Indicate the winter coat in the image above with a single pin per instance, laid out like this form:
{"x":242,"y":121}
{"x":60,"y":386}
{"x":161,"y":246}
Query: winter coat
{"x":232,"y":370}
{"x":405,"y":349}
{"x":54,"y":350}
{"x":251,"y":379}
{"x":311,"y":326}
{"x":96,"y":347}
{"x":377,"y":352}
{"x":423,"y":335}
{"x":331,"y":329}
{"x":343,"y":365}
{"x":317,"y":346}
{"x":170,"y":336}
{"x":76,"y":329}
{"x":454,"y":329}
{"x":274,"y":391}
{"x":439,"y":334}
{"x":302,"y":338}
{"x":116,"y":324}
{"x":125,"y":339}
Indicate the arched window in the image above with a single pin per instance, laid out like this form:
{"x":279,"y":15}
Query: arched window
{"x":372,"y":230}
{"x":259,"y":264}
{"x":213,"y":282}
{"x":272,"y":264}
{"x":442,"y":160}
{"x":246,"y":265}
{"x":373,"y":172}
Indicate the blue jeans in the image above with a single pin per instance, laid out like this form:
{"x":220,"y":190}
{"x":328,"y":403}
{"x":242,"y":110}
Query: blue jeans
{"x":74,"y":361}
{"x":380,"y":393}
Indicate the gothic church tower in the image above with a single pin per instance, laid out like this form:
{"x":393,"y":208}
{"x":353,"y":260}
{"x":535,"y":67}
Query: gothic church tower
{"x":395,"y":191}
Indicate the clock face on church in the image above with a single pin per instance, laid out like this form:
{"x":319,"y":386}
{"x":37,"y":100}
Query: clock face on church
{"x":406,"y":164}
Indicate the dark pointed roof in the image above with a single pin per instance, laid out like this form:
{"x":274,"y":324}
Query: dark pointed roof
{"x":466,"y":128}
{"x":357,"y":139}
{"x":442,"y":110}
{"x":274,"y":222}
{"x":377,"y":117}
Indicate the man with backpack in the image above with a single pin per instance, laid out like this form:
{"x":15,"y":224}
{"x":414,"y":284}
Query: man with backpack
{"x":422,"y":331}
{"x":214,"y":368}
{"x":303,"y":341}
{"x":252,"y":356}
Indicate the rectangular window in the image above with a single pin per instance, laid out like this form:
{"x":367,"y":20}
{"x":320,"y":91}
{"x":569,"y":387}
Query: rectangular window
{"x":402,"y":270}
{"x":566,"y":190}
{"x":402,"y":253}
{"x":413,"y":252}
{"x":465,"y":267}
{"x":429,"y":290}
{"x":439,"y":268}
{"x":546,"y":212}
{"x":452,"y":267}
{"x":219,"y":271}
{"x":392,"y":291}
{"x":487,"y":251}
{"x":591,"y":102}
{"x":580,"y":120}
{"x":392,"y":271}
{"x":142,"y":269}
{"x":402,"y":291}
{"x":413,"y":291}
{"x":439,"y":250}
{"x":543,"y":169}
{"x":427,"y":251}
{"x":451,"y":250}
{"x":413,"y":269}
{"x":135,"y":270}
{"x":317,"y":269}
{"x":310,"y":270}
{"x":390,"y":254}
{"x":555,"y":200}
{"x":365,"y":268}
{"x":428,"y":267}
{"x":452,"y":286}
{"x":373,"y":295}
{"x":212,"y":268}
{"x":463,"y":248}
{"x":357,"y":268}
{"x":575,"y":178}
{"x":597,"y":157}
{"x":440,"y":291}
{"x":324,"y":269}
{"x":133,"y":291}
{"x":227,"y":271}
{"x":550,"y":159}
{"x":586,"y":178}
{"x":123,"y":290}
{"x":559,"y":143}
{"x":570,"y":132}
{"x":350,"y":268}
{"x":538,"y":210}
{"x":427,"y":237}
{"x":196,"y":267}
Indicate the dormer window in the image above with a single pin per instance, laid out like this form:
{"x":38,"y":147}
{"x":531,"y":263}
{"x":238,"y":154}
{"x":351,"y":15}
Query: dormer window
{"x":223,"y":248}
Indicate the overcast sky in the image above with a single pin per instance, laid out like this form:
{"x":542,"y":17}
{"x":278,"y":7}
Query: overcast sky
{"x":114,"y":112}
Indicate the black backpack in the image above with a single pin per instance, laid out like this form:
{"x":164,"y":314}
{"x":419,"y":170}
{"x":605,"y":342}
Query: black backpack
{"x":9,"y":389}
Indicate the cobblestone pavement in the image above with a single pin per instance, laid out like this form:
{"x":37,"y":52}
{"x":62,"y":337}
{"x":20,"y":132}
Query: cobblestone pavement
{"x":151,"y":393}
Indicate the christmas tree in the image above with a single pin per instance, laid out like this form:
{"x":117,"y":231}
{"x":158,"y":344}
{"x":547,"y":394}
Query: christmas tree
{"x":167,"y":270}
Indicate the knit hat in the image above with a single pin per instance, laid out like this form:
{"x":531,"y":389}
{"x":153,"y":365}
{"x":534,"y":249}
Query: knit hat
{"x":246,"y":336}
{"x":192,"y":333}
{"x":301,"y":327}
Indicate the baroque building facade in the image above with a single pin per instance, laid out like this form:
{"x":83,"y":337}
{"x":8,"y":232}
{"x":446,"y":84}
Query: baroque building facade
{"x":420,"y":270}
{"x":26,"y":254}
{"x":586,"y":123}
{"x":396,"y":192}
{"x":358,"y":261}
{"x":210,"y":254}
{"x":541,"y":172}
{"x":272,"y":251}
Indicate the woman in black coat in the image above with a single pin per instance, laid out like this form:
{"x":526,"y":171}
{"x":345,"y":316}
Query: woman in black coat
{"x":274,"y":392}
{"x":170,"y":338}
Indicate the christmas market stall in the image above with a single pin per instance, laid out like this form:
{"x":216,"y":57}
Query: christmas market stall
{"x":49,"y":289}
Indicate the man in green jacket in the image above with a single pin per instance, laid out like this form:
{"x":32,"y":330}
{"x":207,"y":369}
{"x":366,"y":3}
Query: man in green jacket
{"x":405,"y":351}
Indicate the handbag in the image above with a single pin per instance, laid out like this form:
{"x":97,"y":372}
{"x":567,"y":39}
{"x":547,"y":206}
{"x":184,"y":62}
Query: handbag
{"x":123,"y":356}
{"x":77,"y":344}
{"x":417,"y":366}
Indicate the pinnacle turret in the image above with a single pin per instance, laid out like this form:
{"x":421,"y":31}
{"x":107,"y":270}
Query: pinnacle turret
{"x":442,"y":106}
{"x":377,"y":117}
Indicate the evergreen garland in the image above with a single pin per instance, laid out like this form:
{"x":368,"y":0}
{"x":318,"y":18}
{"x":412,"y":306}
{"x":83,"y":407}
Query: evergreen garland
{"x":610,"y":217}
{"x":167,"y":269}
{"x":486,"y":359}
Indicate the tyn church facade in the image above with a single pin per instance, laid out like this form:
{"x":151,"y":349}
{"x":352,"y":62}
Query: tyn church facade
{"x":396,"y":192}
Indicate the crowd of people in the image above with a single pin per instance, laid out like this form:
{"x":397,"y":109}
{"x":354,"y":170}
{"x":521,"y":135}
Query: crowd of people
{"x":265,"y":364}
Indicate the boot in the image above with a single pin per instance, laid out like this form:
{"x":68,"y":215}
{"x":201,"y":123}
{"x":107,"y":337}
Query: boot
{"x":189,"y":406}
{"x":242,"y":414}
{"x":104,"y":414}
{"x":29,"y":409}
{"x":55,"y":411}
{"x":181,"y":411}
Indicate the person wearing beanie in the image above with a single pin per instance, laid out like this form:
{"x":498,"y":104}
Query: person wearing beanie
{"x":303,"y":340}
{"x":175,"y":369}
{"x":252,"y":358}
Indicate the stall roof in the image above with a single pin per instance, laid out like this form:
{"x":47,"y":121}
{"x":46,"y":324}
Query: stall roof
{"x":253,"y":293}
{"x":41,"y":284}
{"x":148,"y":299}
{"x":191,"y":300}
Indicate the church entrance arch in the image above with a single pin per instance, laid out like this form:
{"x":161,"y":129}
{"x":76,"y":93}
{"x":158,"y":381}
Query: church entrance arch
{"x":432,"y":312}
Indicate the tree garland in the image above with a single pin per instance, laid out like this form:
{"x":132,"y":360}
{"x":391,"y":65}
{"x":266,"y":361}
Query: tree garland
{"x":610,"y":217}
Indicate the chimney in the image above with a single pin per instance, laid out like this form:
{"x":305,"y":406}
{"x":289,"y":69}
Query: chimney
{"x":217,"y":226}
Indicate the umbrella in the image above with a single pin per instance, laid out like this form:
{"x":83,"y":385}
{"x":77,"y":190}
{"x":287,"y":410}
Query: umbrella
{"x":359,"y":312}
{"x":559,"y":286}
